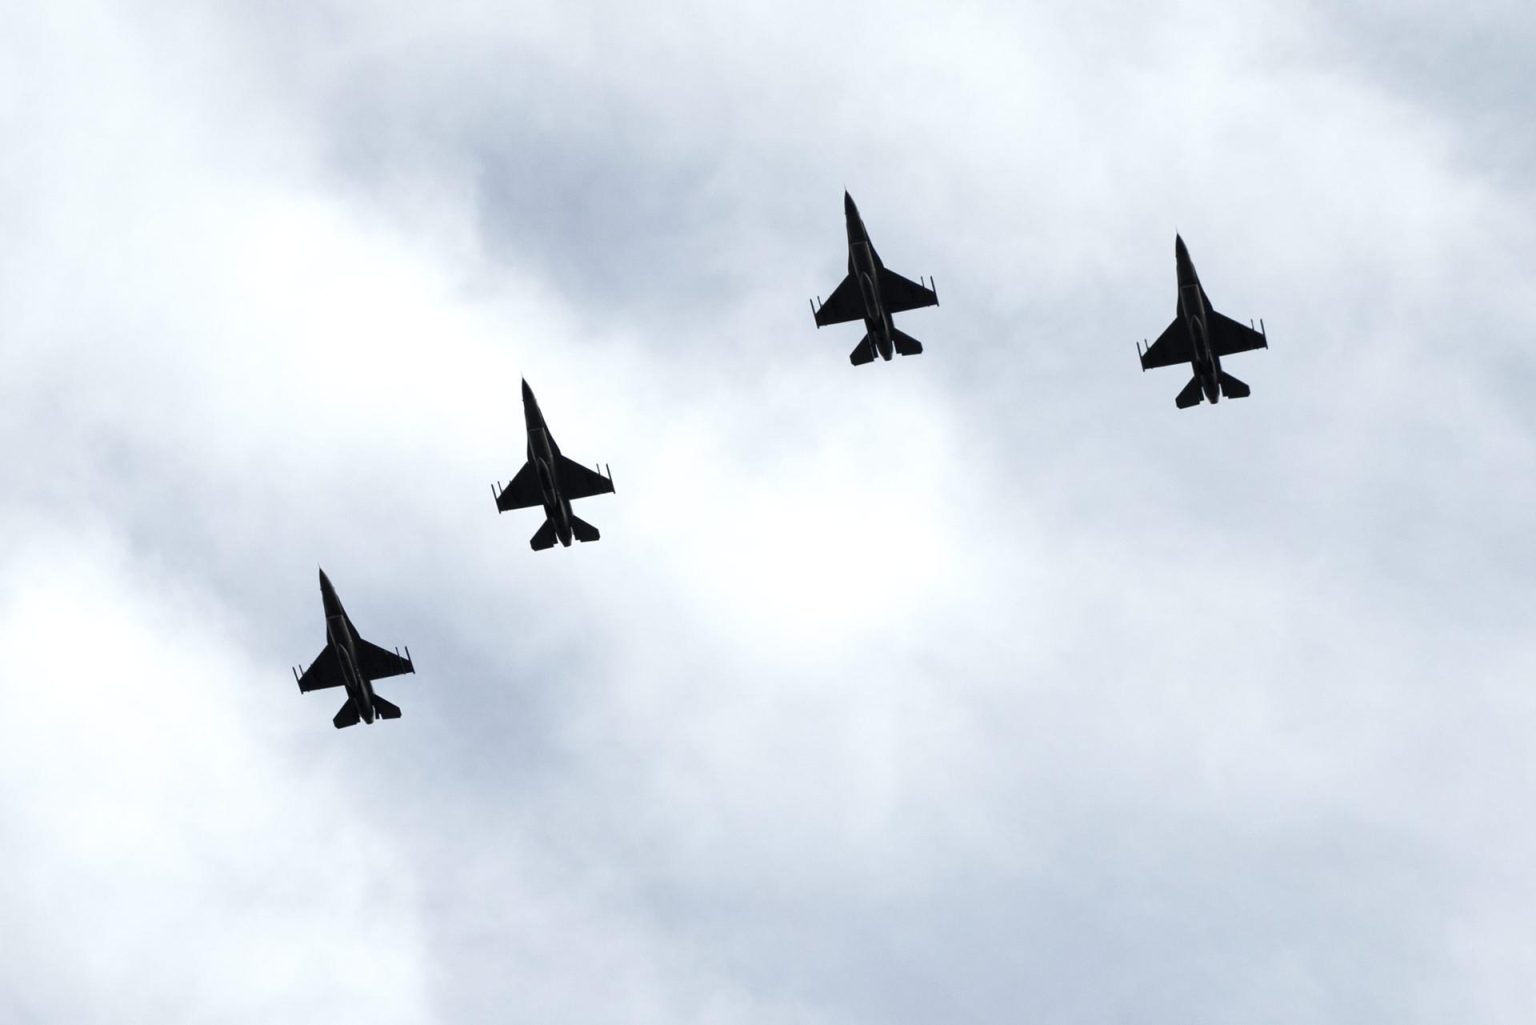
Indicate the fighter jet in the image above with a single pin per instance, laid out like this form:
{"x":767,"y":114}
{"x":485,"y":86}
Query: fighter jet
{"x":553,"y":481}
{"x":871,"y":293}
{"x":1201,"y":336}
{"x":351,"y":662}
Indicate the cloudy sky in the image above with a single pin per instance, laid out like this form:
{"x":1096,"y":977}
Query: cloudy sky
{"x":979,"y":687}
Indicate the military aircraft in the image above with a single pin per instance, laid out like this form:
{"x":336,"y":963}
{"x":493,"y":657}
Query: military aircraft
{"x":553,"y":481}
{"x":871,"y":293}
{"x":351,"y":662}
{"x":1201,"y":336}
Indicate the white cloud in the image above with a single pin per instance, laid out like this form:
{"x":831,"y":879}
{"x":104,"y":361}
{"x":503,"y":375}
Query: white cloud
{"x":168,"y":854}
{"x":978,"y":684}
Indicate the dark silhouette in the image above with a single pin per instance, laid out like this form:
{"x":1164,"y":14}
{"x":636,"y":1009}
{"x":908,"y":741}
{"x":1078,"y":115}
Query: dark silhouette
{"x":872,"y":294}
{"x":1201,"y":336}
{"x":351,"y":662}
{"x":553,"y":481}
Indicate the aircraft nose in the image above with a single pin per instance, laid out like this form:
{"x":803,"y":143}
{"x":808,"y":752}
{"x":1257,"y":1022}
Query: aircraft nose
{"x":849,"y":210}
{"x":328,"y":596}
{"x":527,"y":391}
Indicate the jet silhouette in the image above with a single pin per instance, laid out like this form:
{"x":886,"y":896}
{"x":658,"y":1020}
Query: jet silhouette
{"x":551,"y":480}
{"x":351,"y":662}
{"x":872,"y":294}
{"x":1201,"y":336}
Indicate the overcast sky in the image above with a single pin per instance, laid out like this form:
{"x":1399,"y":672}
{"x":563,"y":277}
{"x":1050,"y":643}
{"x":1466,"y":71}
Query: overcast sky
{"x":978,"y":687}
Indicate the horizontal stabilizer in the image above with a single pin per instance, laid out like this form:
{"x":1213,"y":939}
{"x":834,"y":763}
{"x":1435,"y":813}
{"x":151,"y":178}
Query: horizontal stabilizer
{"x":348,"y":716}
{"x":582,"y":530}
{"x":1232,"y":388}
{"x":384,"y":709}
{"x":905,"y":343}
{"x":1190,"y":396}
{"x":862,"y":353}
{"x":544,"y":537}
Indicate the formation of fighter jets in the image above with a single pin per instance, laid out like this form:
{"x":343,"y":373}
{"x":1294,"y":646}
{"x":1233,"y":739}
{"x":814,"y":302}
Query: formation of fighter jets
{"x":870,"y":293}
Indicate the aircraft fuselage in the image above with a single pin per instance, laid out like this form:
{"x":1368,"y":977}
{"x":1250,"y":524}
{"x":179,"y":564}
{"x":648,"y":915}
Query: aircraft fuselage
{"x":339,"y":632}
{"x":864,"y":268}
{"x":1207,"y":364}
{"x":544,"y":454}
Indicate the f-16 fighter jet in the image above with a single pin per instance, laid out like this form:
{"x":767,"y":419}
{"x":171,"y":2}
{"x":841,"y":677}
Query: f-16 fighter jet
{"x":351,"y":662}
{"x":1201,"y":336}
{"x":871,"y":293}
{"x":553,"y":481}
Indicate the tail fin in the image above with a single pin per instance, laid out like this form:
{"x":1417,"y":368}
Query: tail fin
{"x":583,"y":530}
{"x":544,"y":537}
{"x":1232,"y":388}
{"x":1190,"y":396}
{"x":348,"y":716}
{"x":384,"y":709}
{"x":905,"y":343}
{"x":864,"y":352}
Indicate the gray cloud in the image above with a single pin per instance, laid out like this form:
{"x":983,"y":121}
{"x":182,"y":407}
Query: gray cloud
{"x":1468,"y":67}
{"x":975,"y":686}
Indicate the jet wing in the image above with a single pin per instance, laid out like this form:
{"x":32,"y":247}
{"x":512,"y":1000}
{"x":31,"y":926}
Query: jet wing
{"x":1171,"y":347}
{"x":899,"y":293}
{"x":844,"y":304}
{"x":1228,"y":336}
{"x":376,"y":663}
{"x":576,"y":481}
{"x":522,"y":492}
{"x":323,"y":672}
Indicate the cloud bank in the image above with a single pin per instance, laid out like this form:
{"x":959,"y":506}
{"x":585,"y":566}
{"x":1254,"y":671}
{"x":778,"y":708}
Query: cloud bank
{"x":980,"y":686}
